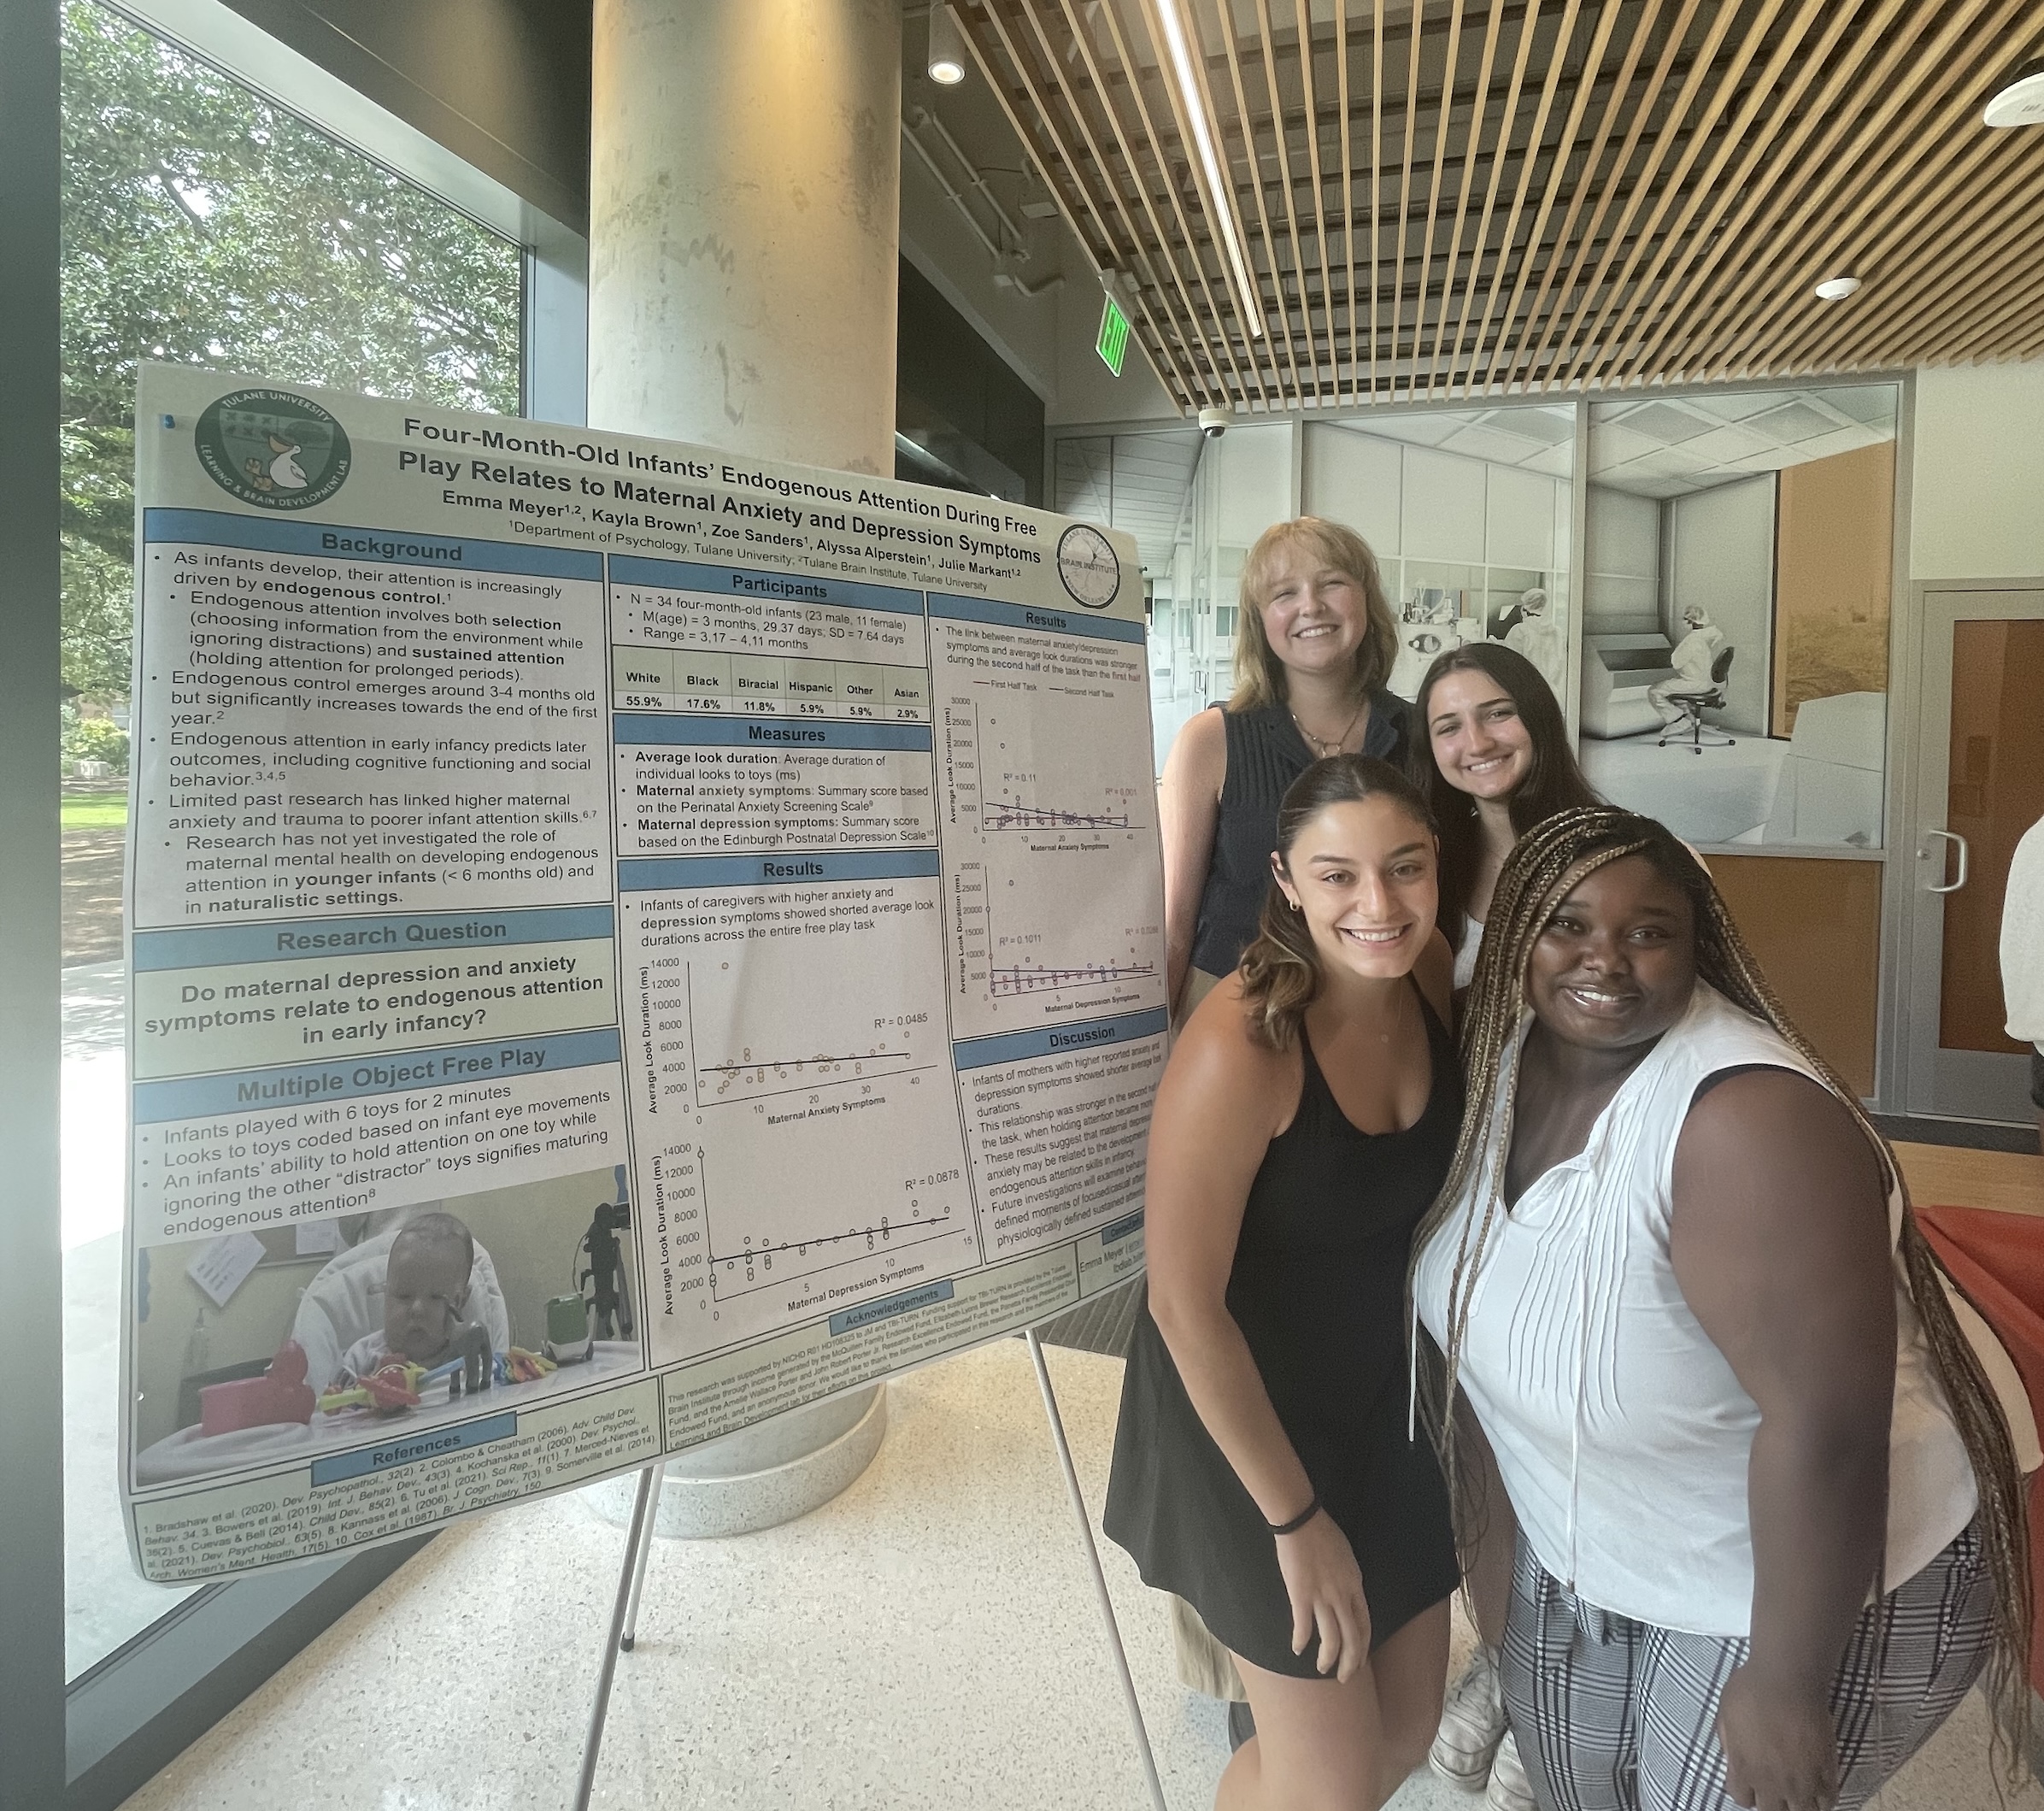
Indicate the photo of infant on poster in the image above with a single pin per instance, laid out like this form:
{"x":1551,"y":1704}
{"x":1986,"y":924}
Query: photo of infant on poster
{"x":372,"y":1326}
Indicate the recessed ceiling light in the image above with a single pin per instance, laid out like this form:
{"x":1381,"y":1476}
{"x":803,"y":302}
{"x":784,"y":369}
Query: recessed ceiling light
{"x":947,"y":48}
{"x":2020,"y":100}
{"x":1836,"y":289}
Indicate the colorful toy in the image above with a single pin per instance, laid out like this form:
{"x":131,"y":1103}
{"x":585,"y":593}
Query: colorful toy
{"x":389,"y":1390}
{"x":519,"y":1365}
{"x":280,"y":1395}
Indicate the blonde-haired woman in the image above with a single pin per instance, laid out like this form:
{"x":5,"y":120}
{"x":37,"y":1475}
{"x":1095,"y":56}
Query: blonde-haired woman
{"x":1314,"y":645}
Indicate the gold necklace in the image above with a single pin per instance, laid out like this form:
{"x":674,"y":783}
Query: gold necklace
{"x":1323,"y":748}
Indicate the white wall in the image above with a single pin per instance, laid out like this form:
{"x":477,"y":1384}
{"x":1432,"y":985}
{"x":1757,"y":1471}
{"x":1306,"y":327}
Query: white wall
{"x":1358,"y":481}
{"x":1978,"y":480}
{"x":1719,"y":547}
{"x":1621,"y":580}
{"x":1415,"y":503}
{"x":1251,"y":468}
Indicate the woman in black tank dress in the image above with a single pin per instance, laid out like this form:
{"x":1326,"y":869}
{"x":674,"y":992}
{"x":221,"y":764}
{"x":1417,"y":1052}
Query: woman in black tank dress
{"x":1262,"y":1468}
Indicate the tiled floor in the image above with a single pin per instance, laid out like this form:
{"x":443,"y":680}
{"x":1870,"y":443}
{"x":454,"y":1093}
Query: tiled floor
{"x":929,"y":1639}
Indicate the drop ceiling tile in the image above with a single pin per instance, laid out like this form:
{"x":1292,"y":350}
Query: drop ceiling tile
{"x":1722,"y":446}
{"x":1480,"y":442}
{"x":1792,"y":422}
{"x":1611,"y":444}
{"x":1664,"y":423}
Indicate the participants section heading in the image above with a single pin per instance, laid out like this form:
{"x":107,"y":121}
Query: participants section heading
{"x":685,"y":575}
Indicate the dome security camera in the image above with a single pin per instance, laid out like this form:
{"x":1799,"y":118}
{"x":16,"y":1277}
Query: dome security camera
{"x":1215,"y":419}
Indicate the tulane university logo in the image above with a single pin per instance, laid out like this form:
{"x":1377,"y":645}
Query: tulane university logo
{"x":273,"y":449}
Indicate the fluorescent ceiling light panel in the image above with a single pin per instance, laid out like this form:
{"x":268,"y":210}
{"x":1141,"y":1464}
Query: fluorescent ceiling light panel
{"x":1205,"y":140}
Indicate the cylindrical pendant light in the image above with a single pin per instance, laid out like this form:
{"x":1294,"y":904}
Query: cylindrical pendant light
{"x":946,"y":47}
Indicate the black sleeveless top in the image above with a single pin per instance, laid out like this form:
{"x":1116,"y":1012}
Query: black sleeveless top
{"x":1317,"y":1289}
{"x":1265,"y":755}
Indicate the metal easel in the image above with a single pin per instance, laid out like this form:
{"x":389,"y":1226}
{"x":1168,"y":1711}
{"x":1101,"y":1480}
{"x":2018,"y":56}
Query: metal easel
{"x":638,"y":1548}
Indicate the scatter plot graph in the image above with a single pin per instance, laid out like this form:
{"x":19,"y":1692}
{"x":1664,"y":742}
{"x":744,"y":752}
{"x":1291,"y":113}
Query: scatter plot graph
{"x":1053,"y":885}
{"x":755,"y":1032}
{"x":812,"y":1152}
{"x":750,"y":1252}
{"x":1038,"y":768}
{"x":1003,"y":815}
{"x":1026,"y":978}
{"x":749,"y":1076}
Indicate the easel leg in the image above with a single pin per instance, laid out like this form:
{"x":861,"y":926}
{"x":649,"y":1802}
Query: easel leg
{"x":628,"y":1578}
{"x":645,"y":1553}
{"x":1100,"y":1578}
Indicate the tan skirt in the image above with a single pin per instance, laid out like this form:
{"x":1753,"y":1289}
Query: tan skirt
{"x":1203,"y":1664}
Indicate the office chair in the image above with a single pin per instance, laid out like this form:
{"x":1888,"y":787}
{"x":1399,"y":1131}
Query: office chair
{"x":1693,"y":704}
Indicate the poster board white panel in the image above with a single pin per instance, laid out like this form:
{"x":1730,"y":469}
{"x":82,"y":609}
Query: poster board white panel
{"x":640,"y":938}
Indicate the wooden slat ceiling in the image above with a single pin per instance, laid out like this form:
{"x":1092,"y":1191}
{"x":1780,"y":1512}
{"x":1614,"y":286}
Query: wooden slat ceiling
{"x":1478,"y":197}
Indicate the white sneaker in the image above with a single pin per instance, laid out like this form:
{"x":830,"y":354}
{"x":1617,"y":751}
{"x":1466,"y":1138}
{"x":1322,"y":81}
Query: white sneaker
{"x":1509,"y":1789}
{"x":1472,"y":1722}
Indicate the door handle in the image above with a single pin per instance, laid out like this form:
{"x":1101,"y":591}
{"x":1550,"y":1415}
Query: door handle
{"x":1966,"y":860}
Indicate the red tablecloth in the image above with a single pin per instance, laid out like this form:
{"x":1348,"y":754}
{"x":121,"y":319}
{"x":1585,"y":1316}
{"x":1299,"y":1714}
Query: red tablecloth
{"x":1998,"y":1259}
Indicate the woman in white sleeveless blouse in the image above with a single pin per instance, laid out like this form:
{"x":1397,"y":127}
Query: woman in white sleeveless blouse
{"x":1768,"y":1504}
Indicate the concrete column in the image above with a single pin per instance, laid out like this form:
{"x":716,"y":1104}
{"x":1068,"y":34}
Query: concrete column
{"x":745,"y":185}
{"x":745,"y":188}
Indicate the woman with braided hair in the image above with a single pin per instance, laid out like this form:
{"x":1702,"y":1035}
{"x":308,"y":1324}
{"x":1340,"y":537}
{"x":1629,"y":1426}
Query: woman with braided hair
{"x":1770,"y":1519}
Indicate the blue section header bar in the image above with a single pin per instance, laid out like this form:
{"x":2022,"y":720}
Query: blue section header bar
{"x":251,"y":1090}
{"x":1054,"y":1040}
{"x":203,"y":947}
{"x":665,"y":873}
{"x":428,"y":1445}
{"x":725,"y":732}
{"x":339,"y":541}
{"x":852,"y":1319}
{"x":1074,"y":622}
{"x":731,"y":581}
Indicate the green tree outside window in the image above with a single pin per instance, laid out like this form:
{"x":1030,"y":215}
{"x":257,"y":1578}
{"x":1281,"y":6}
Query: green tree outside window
{"x":204,"y":226}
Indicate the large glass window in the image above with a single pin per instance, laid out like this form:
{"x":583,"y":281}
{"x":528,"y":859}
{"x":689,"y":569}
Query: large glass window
{"x":202,"y":225}
{"x":1735,"y":643}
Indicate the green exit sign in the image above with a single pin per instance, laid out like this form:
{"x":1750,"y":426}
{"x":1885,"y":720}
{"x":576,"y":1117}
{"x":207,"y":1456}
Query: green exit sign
{"x":1114,"y":343}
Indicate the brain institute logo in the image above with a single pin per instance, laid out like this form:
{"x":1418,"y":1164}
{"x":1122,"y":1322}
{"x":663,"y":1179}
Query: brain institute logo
{"x":273,"y":449}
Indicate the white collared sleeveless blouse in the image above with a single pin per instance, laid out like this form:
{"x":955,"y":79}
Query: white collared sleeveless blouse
{"x":1621,"y":1432}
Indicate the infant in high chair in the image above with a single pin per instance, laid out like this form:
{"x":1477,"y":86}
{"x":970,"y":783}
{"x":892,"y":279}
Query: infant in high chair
{"x":426,"y":1298}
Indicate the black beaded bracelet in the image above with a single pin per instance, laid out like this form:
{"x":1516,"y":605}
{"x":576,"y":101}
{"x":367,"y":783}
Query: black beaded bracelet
{"x":1299,"y":1520}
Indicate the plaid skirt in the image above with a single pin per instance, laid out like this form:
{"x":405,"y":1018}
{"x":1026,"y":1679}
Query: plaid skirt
{"x":1613,"y":1714}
